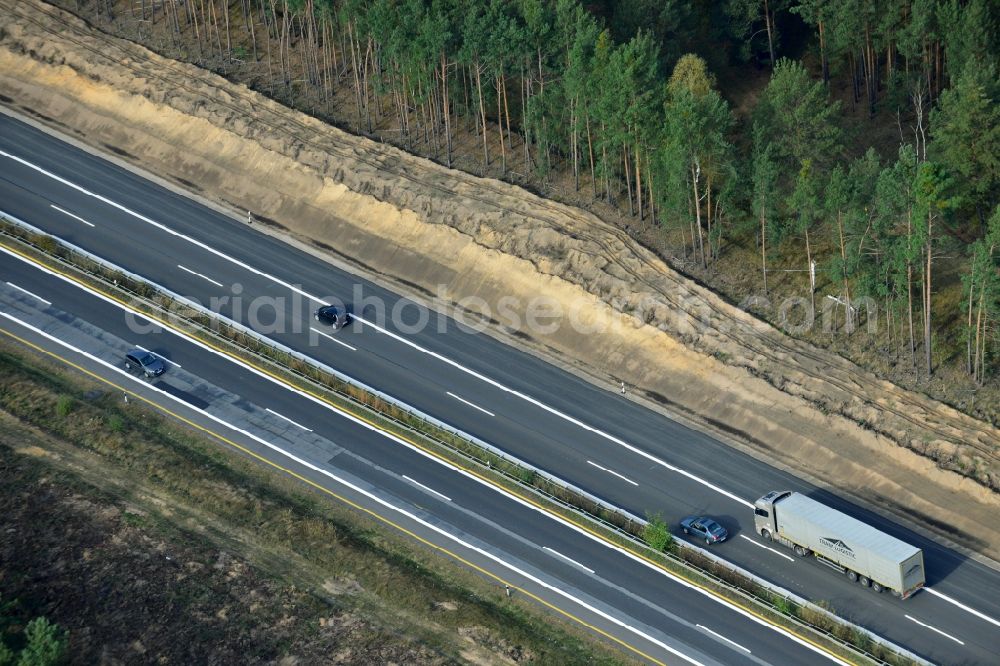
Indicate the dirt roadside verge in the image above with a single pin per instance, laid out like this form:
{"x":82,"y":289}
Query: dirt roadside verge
{"x":153,"y":543}
{"x":419,"y":226}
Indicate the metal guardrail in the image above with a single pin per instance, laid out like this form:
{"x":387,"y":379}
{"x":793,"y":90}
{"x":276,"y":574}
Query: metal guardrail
{"x":117,"y":279}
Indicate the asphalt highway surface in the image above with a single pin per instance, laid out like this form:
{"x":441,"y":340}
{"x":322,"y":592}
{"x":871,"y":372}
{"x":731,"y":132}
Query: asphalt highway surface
{"x":654,"y":615}
{"x":633,"y":457}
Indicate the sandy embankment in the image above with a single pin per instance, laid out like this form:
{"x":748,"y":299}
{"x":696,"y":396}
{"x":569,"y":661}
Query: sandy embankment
{"x":420,"y":226}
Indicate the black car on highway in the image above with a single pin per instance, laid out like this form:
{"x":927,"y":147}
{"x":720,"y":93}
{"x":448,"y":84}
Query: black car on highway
{"x":144,"y":362}
{"x":334,"y":316}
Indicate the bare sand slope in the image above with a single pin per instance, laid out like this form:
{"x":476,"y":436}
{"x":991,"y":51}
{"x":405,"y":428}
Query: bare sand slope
{"x":422,"y":227}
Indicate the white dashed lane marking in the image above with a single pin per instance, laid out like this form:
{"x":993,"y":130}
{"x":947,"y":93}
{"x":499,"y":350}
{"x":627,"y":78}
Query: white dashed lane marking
{"x":612,"y":472}
{"x":474,"y":406}
{"x":282,"y":416}
{"x":34,"y":296}
{"x":75,"y":217}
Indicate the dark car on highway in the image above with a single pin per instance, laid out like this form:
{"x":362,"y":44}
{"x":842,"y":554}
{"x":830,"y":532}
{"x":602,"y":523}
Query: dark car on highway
{"x":334,"y":316}
{"x":704,"y":528}
{"x":147,"y":363}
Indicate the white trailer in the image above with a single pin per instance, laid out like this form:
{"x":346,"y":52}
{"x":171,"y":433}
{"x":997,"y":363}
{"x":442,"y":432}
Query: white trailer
{"x":845,"y":544}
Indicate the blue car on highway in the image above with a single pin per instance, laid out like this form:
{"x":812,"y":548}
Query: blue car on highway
{"x":704,"y":528}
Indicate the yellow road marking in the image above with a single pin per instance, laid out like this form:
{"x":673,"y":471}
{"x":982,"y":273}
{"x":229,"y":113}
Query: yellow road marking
{"x":426,"y":450}
{"x":337,"y":496}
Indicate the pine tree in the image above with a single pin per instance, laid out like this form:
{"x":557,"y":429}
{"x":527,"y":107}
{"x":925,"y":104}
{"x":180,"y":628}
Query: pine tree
{"x":965,"y":130}
{"x":46,"y":644}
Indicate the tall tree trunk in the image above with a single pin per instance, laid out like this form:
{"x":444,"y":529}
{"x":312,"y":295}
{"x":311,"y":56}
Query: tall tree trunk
{"x":465,"y":93}
{"x":229,"y":37}
{"x":768,"y":21}
{"x":975,"y":369}
{"x":909,"y":291}
{"x":628,"y":181}
{"x":855,"y":82}
{"x":847,"y":284}
{"x":503,"y":145}
{"x":590,"y":151}
{"x":447,"y":110}
{"x":708,"y":212}
{"x":638,"y":181}
{"x":604,"y":164}
{"x":824,"y":64}
{"x":356,"y":67}
{"x":506,"y":112}
{"x":695,"y":175}
{"x":763,"y":245}
{"x":267,"y":39}
{"x":809,"y":265}
{"x":927,"y":295}
{"x":525,"y":128}
{"x":968,"y":325}
{"x":482,"y":114}
{"x":573,"y":143}
{"x":939,"y":74}
{"x":253,"y":31}
{"x":652,"y":200}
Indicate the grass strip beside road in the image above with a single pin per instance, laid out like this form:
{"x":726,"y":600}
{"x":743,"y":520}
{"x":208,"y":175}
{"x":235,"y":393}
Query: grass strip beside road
{"x":191,"y":484}
{"x":815,"y":626}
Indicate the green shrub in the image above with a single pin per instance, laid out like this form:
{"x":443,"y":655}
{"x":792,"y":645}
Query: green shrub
{"x":657,"y":535}
{"x":64,"y":405}
{"x":783,"y":605}
{"x":527,"y":476}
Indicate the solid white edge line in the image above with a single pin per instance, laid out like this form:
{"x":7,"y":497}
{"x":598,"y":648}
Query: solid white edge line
{"x":282,"y":416}
{"x":476,"y":479}
{"x":395,"y":336}
{"x":585,"y":533}
{"x":300,"y":291}
{"x":34,"y":296}
{"x":568,"y":559}
{"x":932,"y":628}
{"x":718,"y":635}
{"x":760,"y":545}
{"x":156,"y":224}
{"x":470,"y":404}
{"x":77,"y":217}
{"x":967,"y":609}
{"x":385,"y":503}
{"x":556,"y":412}
{"x":428,"y":489}
{"x":327,"y":335}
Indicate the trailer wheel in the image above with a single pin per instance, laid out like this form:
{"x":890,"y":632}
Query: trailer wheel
{"x":865,"y":581}
{"x":766,"y":533}
{"x":876,"y":586}
{"x":800,"y":551}
{"x":852,"y":575}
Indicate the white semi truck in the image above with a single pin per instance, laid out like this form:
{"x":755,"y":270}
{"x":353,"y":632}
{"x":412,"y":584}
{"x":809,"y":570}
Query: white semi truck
{"x":849,"y":546}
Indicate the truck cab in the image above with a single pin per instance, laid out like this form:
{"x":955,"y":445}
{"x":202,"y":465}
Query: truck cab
{"x":764,"y":521}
